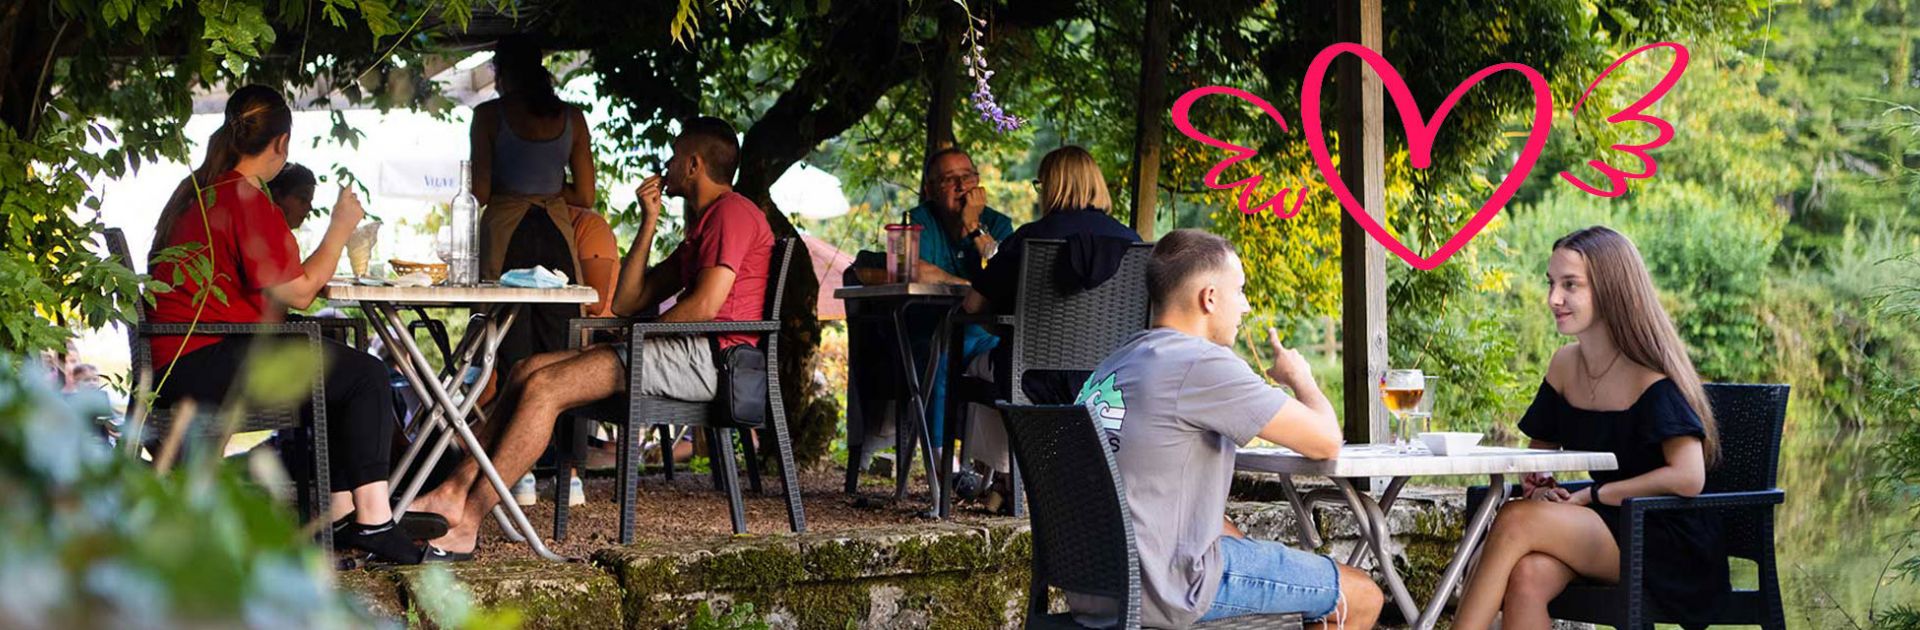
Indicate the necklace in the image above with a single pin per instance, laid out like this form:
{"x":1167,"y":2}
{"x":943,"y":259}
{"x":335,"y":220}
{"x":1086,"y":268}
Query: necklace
{"x":1593,"y":380}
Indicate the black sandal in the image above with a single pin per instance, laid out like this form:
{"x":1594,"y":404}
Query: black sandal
{"x":384,"y":544}
{"x":436,"y":554}
{"x":416,"y":525}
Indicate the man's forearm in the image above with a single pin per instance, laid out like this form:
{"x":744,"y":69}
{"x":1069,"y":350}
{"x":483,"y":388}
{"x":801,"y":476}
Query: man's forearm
{"x":630,"y":291}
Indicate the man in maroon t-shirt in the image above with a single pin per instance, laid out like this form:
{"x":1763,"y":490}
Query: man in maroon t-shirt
{"x":718,"y":273}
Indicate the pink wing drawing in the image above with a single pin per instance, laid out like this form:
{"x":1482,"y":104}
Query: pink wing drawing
{"x":1617,"y":178}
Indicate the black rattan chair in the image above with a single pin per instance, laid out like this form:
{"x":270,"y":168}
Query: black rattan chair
{"x":312,"y":497}
{"x":640,"y":412}
{"x":1743,"y":487}
{"x":1082,"y":531}
{"x":1055,"y":328}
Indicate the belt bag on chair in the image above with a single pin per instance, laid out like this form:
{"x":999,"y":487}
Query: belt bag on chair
{"x":742,"y":392}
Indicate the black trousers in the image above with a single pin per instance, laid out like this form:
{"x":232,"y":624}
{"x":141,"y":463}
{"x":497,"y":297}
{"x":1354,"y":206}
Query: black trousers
{"x":360,"y":419}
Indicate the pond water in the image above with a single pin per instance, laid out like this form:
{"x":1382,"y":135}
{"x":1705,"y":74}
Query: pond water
{"x":1835,"y":537}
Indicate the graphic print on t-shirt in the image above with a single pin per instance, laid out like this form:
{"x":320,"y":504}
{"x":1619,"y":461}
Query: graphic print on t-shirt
{"x":1109,"y":407}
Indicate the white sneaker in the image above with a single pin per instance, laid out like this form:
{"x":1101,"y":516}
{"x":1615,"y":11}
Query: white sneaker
{"x":576,"y":492}
{"x":523,"y":491}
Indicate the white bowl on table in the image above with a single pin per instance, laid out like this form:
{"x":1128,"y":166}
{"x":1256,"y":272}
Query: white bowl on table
{"x":1450,"y":442}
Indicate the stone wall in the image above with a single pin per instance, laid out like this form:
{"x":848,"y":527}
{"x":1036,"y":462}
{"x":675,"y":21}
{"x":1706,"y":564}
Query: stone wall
{"x":933,"y":575}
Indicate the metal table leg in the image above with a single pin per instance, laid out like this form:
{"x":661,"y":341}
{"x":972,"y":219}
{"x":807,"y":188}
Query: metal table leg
{"x":918,"y":398}
{"x":1386,"y":507}
{"x":493,"y":332}
{"x":1302,"y":514}
{"x":1373,"y":528}
{"x":1469,"y":540}
{"x":443,"y":397}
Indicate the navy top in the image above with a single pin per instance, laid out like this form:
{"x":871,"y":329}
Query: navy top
{"x":1001,"y":279}
{"x":1686,"y":562}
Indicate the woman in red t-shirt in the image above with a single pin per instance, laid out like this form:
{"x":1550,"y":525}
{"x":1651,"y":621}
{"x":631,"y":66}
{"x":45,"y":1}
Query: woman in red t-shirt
{"x":223,"y":215}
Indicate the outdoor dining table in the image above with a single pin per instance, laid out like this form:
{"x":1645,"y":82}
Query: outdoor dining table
{"x":456,"y":384}
{"x":888,"y":304}
{"x":1365,"y":461}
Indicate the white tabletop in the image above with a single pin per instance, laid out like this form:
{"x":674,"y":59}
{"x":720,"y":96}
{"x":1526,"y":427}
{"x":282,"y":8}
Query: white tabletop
{"x":1376,"y":460}
{"x":902,"y":289}
{"x":447,"y":295}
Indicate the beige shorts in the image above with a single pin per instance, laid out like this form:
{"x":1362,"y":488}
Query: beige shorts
{"x":674,"y":366}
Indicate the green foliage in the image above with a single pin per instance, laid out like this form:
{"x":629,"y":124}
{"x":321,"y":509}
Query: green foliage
{"x":92,"y":539}
{"x":738,"y":617}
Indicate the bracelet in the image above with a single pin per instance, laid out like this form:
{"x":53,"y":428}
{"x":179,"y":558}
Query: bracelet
{"x":1594,"y":491}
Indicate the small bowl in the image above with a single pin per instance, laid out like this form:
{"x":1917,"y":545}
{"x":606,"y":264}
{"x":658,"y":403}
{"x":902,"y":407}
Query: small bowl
{"x":1450,"y":443}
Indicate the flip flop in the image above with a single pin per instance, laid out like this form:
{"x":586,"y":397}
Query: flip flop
{"x":436,"y":554}
{"x":417,"y":525}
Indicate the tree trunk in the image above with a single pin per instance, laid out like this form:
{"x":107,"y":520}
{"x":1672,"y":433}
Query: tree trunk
{"x":827,"y":98}
{"x":943,"y":82}
{"x":1152,"y":103}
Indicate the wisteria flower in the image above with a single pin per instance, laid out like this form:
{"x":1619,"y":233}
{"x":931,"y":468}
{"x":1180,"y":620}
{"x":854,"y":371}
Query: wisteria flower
{"x":976,"y":61}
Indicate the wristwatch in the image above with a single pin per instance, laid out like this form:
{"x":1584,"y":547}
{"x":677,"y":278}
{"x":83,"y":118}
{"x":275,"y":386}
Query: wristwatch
{"x":977,"y":232}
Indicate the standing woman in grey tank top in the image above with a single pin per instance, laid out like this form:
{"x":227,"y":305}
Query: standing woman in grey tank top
{"x":528,"y":141}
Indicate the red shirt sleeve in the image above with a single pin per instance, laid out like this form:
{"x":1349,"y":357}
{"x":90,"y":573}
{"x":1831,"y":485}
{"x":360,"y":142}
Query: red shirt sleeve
{"x":268,"y":253}
{"x":728,"y":235}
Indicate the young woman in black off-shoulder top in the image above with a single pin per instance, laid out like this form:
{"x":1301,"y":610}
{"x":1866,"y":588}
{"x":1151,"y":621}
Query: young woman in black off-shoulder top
{"x":1624,"y":386}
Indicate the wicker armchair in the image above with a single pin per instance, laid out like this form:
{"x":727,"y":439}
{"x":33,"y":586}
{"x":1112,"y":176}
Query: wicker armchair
{"x":1742,"y":487}
{"x":636,"y":413}
{"x":1054,"y":329}
{"x":312,"y":496}
{"x":1082,"y":531}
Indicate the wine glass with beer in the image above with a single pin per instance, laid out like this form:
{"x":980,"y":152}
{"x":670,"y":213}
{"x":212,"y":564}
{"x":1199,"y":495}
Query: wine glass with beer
{"x":1401,"y":391}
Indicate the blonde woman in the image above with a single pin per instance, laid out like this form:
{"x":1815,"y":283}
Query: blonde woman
{"x":1074,"y":204}
{"x":1624,"y":386}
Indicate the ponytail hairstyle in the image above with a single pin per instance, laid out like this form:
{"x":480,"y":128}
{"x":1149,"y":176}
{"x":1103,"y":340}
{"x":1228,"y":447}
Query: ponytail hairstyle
{"x":1629,"y":306}
{"x":517,"y":60}
{"x":256,"y":115}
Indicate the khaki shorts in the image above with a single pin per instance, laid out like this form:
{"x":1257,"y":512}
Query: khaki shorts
{"x":674,"y":366}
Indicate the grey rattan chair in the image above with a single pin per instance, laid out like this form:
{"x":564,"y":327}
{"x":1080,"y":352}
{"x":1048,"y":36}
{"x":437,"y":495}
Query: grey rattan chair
{"x":1082,"y":531}
{"x":1055,"y":328}
{"x":312,"y":496}
{"x":1743,"y":487}
{"x":641,"y":412}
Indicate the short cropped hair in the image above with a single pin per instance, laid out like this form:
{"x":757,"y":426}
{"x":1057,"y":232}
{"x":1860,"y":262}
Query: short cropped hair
{"x":1178,"y":257}
{"x":292,"y":177}
{"x":716,"y":143}
{"x":933,"y":159}
{"x":1070,"y":180}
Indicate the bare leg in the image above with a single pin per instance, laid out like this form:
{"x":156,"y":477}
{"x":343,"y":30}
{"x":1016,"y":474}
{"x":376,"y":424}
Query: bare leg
{"x":590,"y":376}
{"x":447,"y":498}
{"x":1360,"y":605}
{"x":1536,"y":580}
{"x":1571,"y":534}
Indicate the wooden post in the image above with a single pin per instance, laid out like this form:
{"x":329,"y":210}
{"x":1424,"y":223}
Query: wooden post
{"x":943,"y":79}
{"x":1363,"y":269}
{"x":1151,"y":103}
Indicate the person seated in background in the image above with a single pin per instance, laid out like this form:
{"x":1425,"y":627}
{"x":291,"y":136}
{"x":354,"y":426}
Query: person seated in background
{"x":292,"y":190}
{"x":719,"y":272}
{"x":1074,"y":202}
{"x":235,"y":227}
{"x":959,"y":233}
{"x":1175,"y":402}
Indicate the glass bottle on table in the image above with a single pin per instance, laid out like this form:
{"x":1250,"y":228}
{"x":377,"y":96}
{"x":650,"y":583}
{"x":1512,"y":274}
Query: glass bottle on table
{"x":463,"y":267}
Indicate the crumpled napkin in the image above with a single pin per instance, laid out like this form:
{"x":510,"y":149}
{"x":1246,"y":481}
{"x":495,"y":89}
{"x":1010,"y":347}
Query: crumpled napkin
{"x":415,"y":279}
{"x":534,"y":278}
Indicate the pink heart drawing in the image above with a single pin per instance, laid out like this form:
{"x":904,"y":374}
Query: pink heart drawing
{"x":1420,"y":144}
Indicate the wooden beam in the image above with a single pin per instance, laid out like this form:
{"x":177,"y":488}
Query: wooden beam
{"x":1151,"y":104}
{"x":1363,"y":269}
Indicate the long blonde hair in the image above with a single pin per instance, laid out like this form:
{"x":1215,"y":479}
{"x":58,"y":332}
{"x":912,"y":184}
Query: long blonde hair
{"x":1625,"y":300}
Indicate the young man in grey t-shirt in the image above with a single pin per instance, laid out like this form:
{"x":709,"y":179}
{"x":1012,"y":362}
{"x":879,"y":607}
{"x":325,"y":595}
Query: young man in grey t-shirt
{"x":1175,"y":402}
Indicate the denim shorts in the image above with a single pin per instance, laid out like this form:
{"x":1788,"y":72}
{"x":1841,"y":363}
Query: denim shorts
{"x":1262,"y":577}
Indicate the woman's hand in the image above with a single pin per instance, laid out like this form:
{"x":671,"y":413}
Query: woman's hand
{"x":1551,"y":494}
{"x":347,"y":212}
{"x":1536,"y":480}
